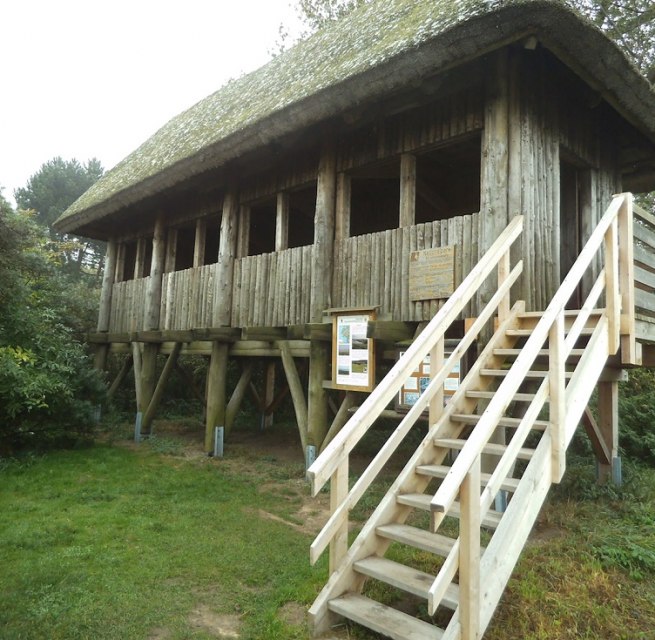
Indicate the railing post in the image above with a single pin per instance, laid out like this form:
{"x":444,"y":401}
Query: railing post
{"x":629,"y":353}
{"x":557,"y":381}
{"x":469,"y":554}
{"x":338,"y":493}
{"x":504,"y":269}
{"x":436,"y":363}
{"x":612,"y":299}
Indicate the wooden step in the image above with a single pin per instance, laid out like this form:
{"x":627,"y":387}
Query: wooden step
{"x":418,"y":538}
{"x":440,"y":471}
{"x":490,"y":448}
{"x":383,"y":619}
{"x":519,"y":397}
{"x":422,"y":501}
{"x":586,"y":331}
{"x":469,"y":418}
{"x":543,"y":353}
{"x":405,"y":578}
{"x":532,"y":375}
{"x":568,"y":313}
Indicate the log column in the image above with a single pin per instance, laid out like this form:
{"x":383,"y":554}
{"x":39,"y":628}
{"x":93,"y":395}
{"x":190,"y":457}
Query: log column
{"x":322,"y":269}
{"x":104,"y":313}
{"x":199,"y":243}
{"x":608,"y":423}
{"x":407,"y":216}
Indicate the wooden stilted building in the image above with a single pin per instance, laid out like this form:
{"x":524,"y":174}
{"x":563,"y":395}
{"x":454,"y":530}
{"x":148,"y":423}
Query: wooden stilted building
{"x":497,"y":134}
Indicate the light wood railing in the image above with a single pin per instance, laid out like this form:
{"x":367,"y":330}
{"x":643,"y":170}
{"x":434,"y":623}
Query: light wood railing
{"x":333,"y":462}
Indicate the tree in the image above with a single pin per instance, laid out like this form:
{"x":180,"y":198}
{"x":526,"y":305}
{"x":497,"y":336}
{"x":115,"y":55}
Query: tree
{"x":44,"y":370}
{"x":49,"y":192}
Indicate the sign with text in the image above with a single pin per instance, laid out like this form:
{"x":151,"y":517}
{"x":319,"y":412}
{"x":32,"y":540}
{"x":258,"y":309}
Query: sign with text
{"x":432,"y":273}
{"x":352,"y":352}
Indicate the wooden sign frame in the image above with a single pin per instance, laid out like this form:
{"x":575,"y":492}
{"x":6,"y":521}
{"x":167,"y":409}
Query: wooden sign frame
{"x":353,"y":354}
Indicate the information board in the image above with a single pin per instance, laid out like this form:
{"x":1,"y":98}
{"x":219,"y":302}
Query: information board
{"x":432,"y":273}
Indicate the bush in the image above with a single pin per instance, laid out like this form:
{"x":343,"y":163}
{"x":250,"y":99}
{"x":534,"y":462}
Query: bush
{"x":637,"y":416}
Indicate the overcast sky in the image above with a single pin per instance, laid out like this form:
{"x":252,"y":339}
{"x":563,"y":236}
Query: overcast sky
{"x":91,"y":78}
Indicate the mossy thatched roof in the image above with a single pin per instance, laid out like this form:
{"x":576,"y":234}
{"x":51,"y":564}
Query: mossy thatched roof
{"x":381,"y":47}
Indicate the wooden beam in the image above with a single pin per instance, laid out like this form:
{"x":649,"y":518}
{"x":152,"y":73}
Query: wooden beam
{"x":608,"y":419}
{"x":282,"y":221}
{"x":321,"y":331}
{"x":104,"y":312}
{"x":136,"y":361}
{"x":267,"y":334}
{"x":237,"y":396}
{"x":216,"y":392}
{"x":602,"y":453}
{"x":120,"y":263}
{"x":153,"y":295}
{"x":140,"y":258}
{"x":319,"y":359}
{"x":148,"y":375}
{"x":243,"y":237}
{"x":342,"y":215}
{"x":269,"y":392}
{"x":297,"y":393}
{"x":226,"y":256}
{"x":222,"y":334}
{"x":171,"y":251}
{"x":323,"y":232}
{"x":390,"y":331}
{"x":200,"y":241}
{"x":190,"y":382}
{"x":407,"y":213}
{"x":340,"y":419}
{"x":146,"y":422}
{"x":120,"y":376}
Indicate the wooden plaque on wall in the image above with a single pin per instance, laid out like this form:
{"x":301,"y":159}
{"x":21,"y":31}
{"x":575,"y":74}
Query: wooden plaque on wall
{"x":432,"y":273}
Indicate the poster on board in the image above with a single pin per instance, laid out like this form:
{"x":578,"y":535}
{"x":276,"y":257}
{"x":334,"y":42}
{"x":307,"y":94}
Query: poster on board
{"x":353,"y":363}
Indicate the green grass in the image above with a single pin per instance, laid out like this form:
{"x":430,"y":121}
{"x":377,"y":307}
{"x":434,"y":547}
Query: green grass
{"x":112,"y":543}
{"x":154,"y":544}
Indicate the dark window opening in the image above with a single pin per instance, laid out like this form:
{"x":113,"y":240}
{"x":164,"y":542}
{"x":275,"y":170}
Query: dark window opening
{"x":375,"y":198}
{"x":212,"y":239}
{"x":261,"y":238}
{"x":186,"y":239}
{"x":302,"y":206}
{"x":130,"y":257}
{"x":448,"y":181}
{"x":147,"y":258}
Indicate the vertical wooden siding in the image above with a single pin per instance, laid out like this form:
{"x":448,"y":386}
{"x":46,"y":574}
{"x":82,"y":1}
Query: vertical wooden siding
{"x":273,"y":289}
{"x":128,"y":305}
{"x":187,"y":298}
{"x":644,"y":256}
{"x":373,"y":269}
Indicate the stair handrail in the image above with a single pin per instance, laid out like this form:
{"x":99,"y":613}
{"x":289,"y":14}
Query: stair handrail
{"x":352,"y":432}
{"x":550,"y":324}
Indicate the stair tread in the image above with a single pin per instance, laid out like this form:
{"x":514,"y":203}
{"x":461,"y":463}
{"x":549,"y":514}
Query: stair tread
{"x":542,"y":352}
{"x":470,"y":418}
{"x":405,"y":578}
{"x":522,"y":397}
{"x":418,"y":538}
{"x":491,"y":447}
{"x":383,"y":619}
{"x":422,"y":501}
{"x":440,"y":471}
{"x":569,"y":313}
{"x":501,"y":373}
{"x":586,"y":331}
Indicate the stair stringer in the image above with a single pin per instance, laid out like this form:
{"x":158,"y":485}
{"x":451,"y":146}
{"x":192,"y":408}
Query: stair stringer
{"x":367,"y":543}
{"x":503,"y":551}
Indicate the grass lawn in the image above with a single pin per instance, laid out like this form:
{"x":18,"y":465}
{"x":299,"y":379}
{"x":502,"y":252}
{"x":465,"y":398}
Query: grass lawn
{"x":156,"y":543}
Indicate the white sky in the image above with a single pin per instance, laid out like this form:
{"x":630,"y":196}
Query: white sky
{"x":91,"y":78}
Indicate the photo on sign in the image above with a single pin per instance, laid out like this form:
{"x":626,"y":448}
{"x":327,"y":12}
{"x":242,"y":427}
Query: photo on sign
{"x":352,"y":352}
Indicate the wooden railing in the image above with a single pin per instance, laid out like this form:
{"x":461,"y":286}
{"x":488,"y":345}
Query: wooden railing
{"x":373,"y":269}
{"x":644,"y":256}
{"x":128,"y":305}
{"x":479,"y":581}
{"x":333,"y":461}
{"x":187,"y":298}
{"x":273,"y":289}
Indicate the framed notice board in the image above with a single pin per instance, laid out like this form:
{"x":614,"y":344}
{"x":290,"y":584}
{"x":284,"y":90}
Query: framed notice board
{"x":353,"y":356}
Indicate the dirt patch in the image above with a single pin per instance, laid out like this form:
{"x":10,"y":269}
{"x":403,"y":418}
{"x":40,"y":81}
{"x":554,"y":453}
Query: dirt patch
{"x":159,"y":633}
{"x":293,"y":614}
{"x":222,"y":626}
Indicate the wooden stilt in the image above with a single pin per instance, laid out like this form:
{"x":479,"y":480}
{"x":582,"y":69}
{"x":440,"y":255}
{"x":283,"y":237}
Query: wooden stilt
{"x":297,"y":393}
{"x":104,"y":313}
{"x":237,"y":397}
{"x":269,"y":392}
{"x":149,"y":413}
{"x":608,"y":423}
{"x":137,"y":362}
{"x":341,"y":417}
{"x":148,"y":376}
{"x":216,"y":391}
{"x":124,"y":370}
{"x":317,"y":396}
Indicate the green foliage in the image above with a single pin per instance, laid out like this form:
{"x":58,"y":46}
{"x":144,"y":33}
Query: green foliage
{"x":49,"y":192}
{"x":44,"y":371}
{"x":637,"y":416}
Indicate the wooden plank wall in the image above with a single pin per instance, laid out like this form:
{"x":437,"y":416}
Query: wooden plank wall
{"x":187,"y":298}
{"x":373,"y":269}
{"x":644,"y":255}
{"x":273,"y":289}
{"x":128,"y":305}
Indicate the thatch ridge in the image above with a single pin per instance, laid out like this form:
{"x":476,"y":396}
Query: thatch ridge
{"x":353,"y":60}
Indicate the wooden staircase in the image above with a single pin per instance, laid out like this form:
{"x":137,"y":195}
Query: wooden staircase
{"x":500,"y":440}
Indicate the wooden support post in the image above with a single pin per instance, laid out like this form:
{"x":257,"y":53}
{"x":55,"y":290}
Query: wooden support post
{"x":148,"y":376}
{"x":269,"y":392}
{"x":136,"y":362}
{"x":153,"y":295}
{"x":104,"y":313}
{"x":436,"y":363}
{"x":342,"y":215}
{"x":124,"y":370}
{"x":243,"y":236}
{"x":338,"y":493}
{"x":608,"y":418}
{"x":629,"y":349}
{"x":323,"y":233}
{"x":140,"y":258}
{"x":226,"y":255}
{"x":216,"y":392}
{"x":237,"y":397}
{"x":469,"y":555}
{"x":149,"y":414}
{"x":612,"y":293}
{"x":407,"y":213}
{"x":504,"y":269}
{"x":199,"y":243}
{"x":119,"y":274}
{"x":171,"y":251}
{"x":282,"y":222}
{"x":319,"y":357}
{"x":557,"y":383}
{"x":342,"y":416}
{"x":297,"y":393}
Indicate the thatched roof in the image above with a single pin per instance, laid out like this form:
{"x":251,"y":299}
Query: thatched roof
{"x":380,"y":48}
